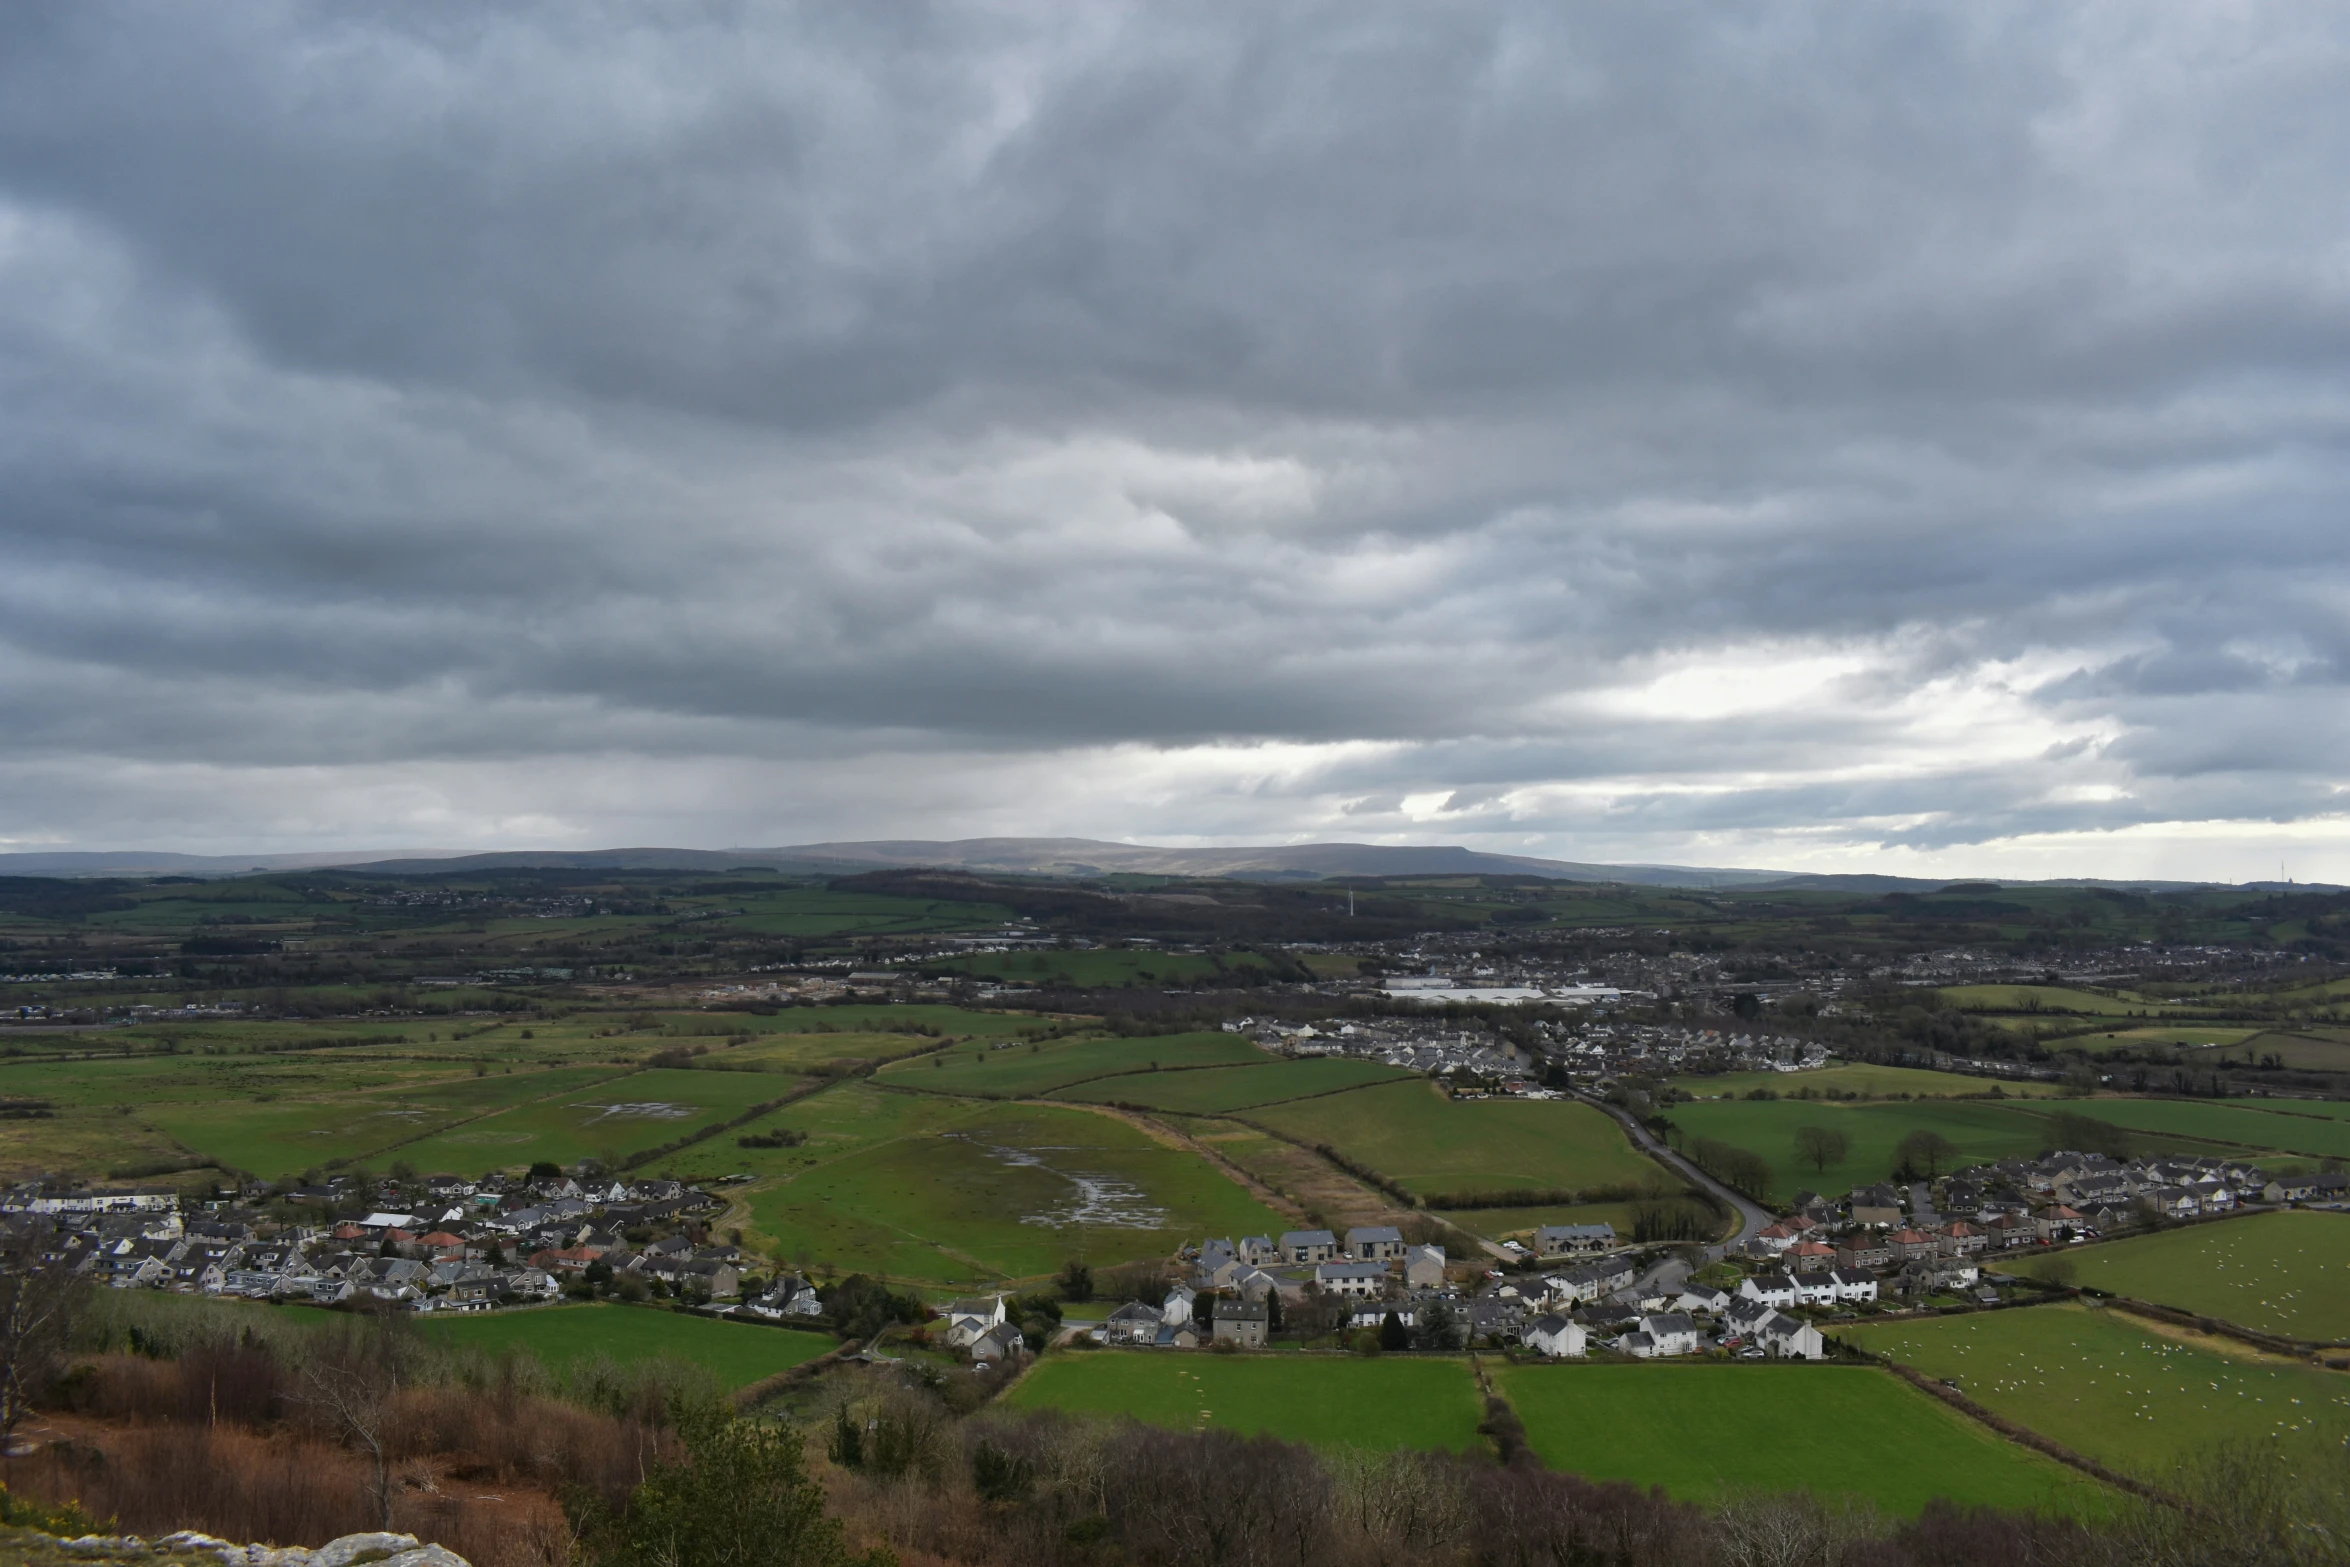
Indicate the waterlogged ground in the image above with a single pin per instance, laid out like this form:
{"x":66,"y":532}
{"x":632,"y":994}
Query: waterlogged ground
{"x":1102,"y":1201}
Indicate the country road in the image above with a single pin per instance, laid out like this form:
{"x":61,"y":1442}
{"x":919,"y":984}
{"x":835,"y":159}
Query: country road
{"x":1751,"y":1215}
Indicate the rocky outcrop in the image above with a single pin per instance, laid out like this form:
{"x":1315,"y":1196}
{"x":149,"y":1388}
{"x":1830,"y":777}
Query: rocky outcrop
{"x":352,"y":1550}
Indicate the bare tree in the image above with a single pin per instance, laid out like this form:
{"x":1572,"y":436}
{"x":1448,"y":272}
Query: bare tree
{"x":1821,"y":1146}
{"x":38,"y":1305}
{"x":349,"y":1379}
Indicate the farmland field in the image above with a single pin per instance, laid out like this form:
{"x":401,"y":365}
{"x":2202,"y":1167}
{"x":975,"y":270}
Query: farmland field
{"x":2110,"y":1386}
{"x":2179,"y":1036}
{"x":1708,"y":1432}
{"x":1501,"y":1223}
{"x":2048,"y":998}
{"x":1218,"y":1089}
{"x":2285,"y":1273}
{"x":1861,"y":1080}
{"x":625,"y":1115}
{"x":1108,"y":967}
{"x":736,"y":1353}
{"x":1413,"y":1134}
{"x":995,"y":1192}
{"x":1016,"y":1070}
{"x":1331,"y":1401}
{"x":1980,"y":1130}
{"x":2238,"y":1122}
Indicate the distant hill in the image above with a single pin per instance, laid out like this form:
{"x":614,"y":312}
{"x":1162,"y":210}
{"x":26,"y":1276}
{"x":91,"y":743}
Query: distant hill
{"x":1079,"y":857}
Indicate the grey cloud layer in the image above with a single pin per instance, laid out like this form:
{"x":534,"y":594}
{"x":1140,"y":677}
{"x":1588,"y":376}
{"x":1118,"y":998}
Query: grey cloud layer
{"x":770,"y":402}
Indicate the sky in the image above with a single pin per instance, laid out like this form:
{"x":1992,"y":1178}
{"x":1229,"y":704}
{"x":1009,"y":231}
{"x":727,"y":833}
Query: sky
{"x":1902,"y":437}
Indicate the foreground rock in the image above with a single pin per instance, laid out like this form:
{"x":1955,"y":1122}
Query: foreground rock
{"x":190,"y":1549}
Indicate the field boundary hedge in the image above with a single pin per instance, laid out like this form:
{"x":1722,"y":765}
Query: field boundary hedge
{"x":2220,"y":1327}
{"x":2023,"y":1436}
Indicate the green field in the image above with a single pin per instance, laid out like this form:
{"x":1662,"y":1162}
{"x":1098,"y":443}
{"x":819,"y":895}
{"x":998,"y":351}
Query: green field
{"x":623,"y":1116}
{"x":1110,"y":967}
{"x":1501,"y":1223}
{"x":736,"y":1353}
{"x":2049,"y":998}
{"x":1413,"y":1134}
{"x":2284,"y":1273}
{"x":2109,"y":1386}
{"x":1218,"y":1089}
{"x":1018,"y":1071}
{"x":1980,"y":1130}
{"x":2176,"y":1036}
{"x":2238,"y":1122}
{"x":1860,"y":1080}
{"x":971,"y":1195}
{"x":1711,"y":1432}
{"x":1328,"y":1400}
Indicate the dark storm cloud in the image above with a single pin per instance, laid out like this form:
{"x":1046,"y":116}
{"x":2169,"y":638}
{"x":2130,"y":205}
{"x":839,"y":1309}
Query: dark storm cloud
{"x":1640,"y":425}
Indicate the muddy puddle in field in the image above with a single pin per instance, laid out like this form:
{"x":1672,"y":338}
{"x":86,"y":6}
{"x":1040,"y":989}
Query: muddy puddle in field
{"x":1097,"y":1201}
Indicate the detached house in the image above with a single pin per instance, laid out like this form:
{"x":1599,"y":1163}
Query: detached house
{"x":1375,"y":1243}
{"x":1240,"y":1322}
{"x":1136,"y":1322}
{"x":967,"y":1320}
{"x":1553,"y":1335}
{"x":1790,"y":1338}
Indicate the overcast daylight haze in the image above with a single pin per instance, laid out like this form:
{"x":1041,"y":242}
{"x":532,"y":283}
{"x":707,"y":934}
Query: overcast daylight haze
{"x":1833,"y":438}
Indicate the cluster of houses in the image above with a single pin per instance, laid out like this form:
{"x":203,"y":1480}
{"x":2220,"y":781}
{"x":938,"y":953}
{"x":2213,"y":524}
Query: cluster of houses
{"x":440,"y":1244}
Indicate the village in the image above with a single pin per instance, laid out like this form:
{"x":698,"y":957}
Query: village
{"x":444,"y":1244}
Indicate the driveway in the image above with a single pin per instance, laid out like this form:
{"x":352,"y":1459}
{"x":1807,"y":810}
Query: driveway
{"x":1751,"y":1215}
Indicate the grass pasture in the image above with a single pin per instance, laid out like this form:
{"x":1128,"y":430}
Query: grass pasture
{"x":994,"y":1192}
{"x":1215,"y":1090}
{"x":288,"y":1137}
{"x":623,"y":1115}
{"x":1979,"y":1129}
{"x":2223,"y":1038}
{"x":1710,"y":1432}
{"x":2237,"y":1122}
{"x":1105,"y":968}
{"x":1861,"y":1080}
{"x":2031,"y":999}
{"x":2110,"y":1386}
{"x":736,"y":1353}
{"x":2283,"y":1273}
{"x":1431,"y":1144}
{"x":1016,"y":1070}
{"x":1330,"y":1401}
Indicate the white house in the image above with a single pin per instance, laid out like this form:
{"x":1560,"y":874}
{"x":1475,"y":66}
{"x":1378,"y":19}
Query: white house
{"x":1772,"y":1289}
{"x":968,"y":1319}
{"x":1671,"y":1333}
{"x":1553,"y":1335}
{"x":1852,"y":1284}
{"x":1702,"y":1297}
{"x":1176,"y":1308}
